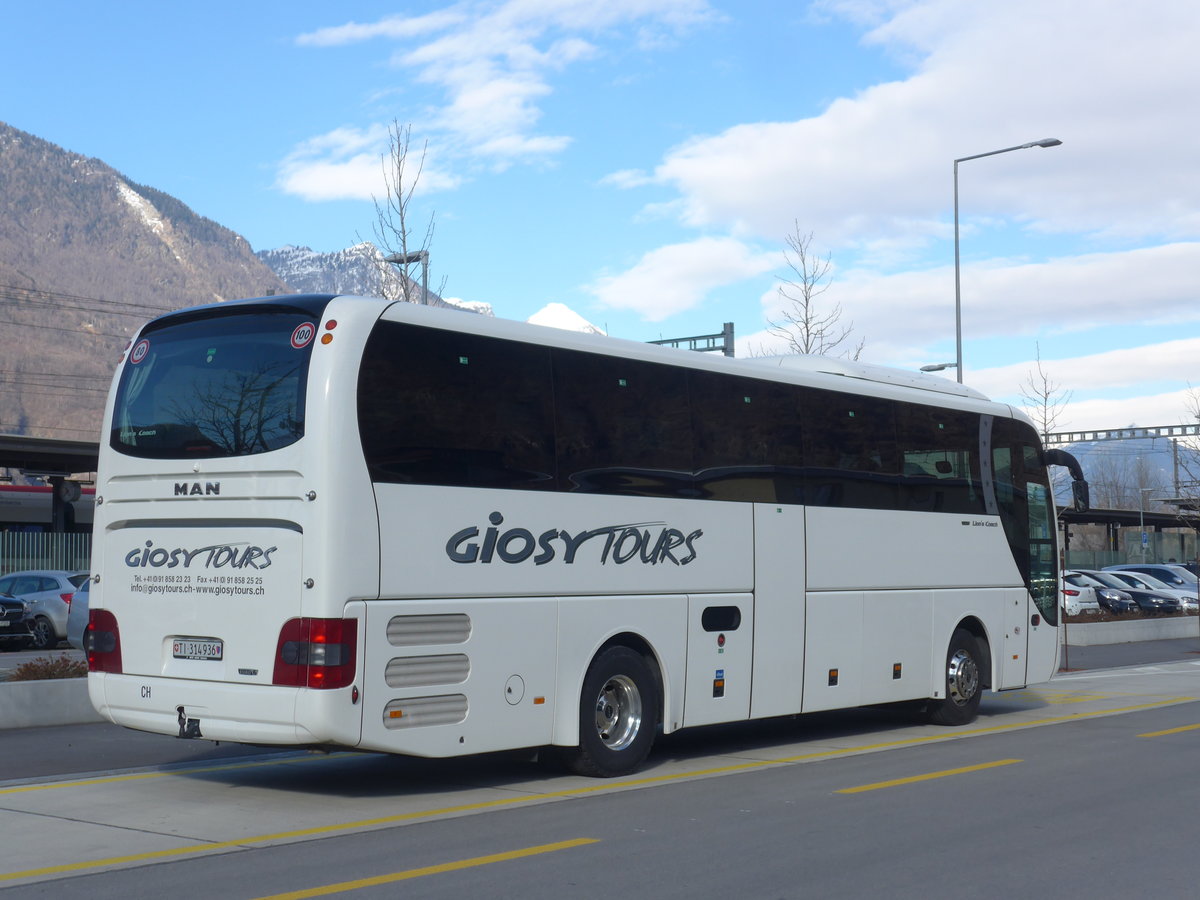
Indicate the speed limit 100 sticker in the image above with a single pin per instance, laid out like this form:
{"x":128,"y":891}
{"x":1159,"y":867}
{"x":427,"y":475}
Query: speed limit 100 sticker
{"x":139,"y":352}
{"x":303,"y":335}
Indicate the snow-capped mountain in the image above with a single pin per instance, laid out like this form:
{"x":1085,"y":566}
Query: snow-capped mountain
{"x":359,"y":270}
{"x":559,"y":315}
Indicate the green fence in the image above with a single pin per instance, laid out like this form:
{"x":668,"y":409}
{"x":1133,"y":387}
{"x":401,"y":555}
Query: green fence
{"x":20,"y":550}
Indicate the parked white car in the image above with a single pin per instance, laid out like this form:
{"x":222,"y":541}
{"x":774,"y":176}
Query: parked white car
{"x":48,"y":593}
{"x":1080,"y":599}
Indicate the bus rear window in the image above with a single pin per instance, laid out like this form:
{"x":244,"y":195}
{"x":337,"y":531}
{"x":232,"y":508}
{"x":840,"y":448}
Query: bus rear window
{"x":228,"y":384}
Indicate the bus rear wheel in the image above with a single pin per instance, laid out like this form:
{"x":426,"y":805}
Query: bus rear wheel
{"x":618,"y":715}
{"x":964,"y":682}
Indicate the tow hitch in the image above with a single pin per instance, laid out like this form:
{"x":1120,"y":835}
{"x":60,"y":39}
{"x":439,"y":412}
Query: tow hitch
{"x":188,"y":728}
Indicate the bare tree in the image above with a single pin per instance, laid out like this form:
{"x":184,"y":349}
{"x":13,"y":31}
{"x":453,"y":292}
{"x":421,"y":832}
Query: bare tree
{"x":1187,"y":453}
{"x":807,"y":326}
{"x":393,"y":220}
{"x":1045,"y":400}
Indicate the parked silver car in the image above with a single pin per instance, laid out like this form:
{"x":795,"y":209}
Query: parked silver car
{"x":1177,"y":576}
{"x":48,"y":593}
{"x":1149,"y":602}
{"x":1138,"y":579}
{"x":77,"y":619}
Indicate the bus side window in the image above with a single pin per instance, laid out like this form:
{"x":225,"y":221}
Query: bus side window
{"x":623,"y":426}
{"x":747,"y":439}
{"x":941,"y":459}
{"x":443,"y":407}
{"x":851,"y":457}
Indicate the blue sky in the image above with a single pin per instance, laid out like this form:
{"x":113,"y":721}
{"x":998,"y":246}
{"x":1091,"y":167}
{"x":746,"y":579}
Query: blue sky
{"x":643,"y":161}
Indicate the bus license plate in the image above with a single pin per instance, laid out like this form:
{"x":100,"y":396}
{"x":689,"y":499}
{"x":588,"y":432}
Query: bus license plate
{"x":192,"y":648}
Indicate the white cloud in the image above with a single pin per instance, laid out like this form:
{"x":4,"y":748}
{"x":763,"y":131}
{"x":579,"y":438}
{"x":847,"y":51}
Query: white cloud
{"x":627,"y":178}
{"x":492,"y":63}
{"x":394,"y":27}
{"x":1053,"y":299}
{"x":1113,"y":83}
{"x":1102,"y":413}
{"x":1131,"y":366}
{"x":347,"y":163}
{"x":1147,"y":411}
{"x":678,"y":277}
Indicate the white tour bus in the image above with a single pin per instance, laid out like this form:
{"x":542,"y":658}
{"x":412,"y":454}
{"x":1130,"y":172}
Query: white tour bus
{"x":335,"y":521}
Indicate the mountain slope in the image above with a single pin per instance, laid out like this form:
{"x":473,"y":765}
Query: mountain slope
{"x":359,"y":270}
{"x":86,"y":255}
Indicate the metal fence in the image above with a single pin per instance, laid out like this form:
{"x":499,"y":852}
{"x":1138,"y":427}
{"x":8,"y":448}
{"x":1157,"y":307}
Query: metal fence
{"x":20,"y":550}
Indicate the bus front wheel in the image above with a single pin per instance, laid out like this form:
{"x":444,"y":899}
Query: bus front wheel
{"x":964,"y":682}
{"x":618,"y":715}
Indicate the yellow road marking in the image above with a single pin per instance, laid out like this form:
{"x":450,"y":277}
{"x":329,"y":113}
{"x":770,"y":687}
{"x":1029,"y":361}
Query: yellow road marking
{"x":430,"y":870}
{"x":1178,"y":730}
{"x":929,"y":776}
{"x":604,"y":786}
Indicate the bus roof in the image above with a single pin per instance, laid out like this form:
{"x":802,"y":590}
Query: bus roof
{"x":817,"y":371}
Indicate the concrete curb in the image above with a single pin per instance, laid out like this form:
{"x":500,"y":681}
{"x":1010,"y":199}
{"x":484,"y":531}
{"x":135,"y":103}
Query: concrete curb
{"x":1093,"y":634}
{"x":58,"y":701}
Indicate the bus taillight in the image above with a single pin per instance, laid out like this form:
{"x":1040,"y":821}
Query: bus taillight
{"x":102,"y":642}
{"x":316,"y":653}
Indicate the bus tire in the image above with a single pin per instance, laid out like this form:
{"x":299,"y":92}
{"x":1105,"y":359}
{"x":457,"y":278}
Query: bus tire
{"x":618,"y":715}
{"x":963,"y":684}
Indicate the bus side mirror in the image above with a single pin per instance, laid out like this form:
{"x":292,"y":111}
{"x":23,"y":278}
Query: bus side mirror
{"x":1081,"y":494}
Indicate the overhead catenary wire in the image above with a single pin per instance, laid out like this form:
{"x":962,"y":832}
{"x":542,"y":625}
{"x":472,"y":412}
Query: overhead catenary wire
{"x":94,"y":304}
{"x":65,"y":330}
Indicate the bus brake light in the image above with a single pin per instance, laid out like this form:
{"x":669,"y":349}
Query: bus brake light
{"x":316,"y":653}
{"x":102,"y":642}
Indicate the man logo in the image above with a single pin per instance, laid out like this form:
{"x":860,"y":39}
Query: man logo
{"x":195,"y":489}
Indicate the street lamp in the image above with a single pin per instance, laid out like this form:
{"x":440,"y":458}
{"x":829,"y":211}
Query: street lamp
{"x":939,"y":367}
{"x":1045,"y":142}
{"x":404,"y":259}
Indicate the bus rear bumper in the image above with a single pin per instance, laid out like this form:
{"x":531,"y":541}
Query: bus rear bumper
{"x":239,"y":713}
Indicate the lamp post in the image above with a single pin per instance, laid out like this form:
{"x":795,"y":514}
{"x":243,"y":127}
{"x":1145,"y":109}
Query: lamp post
{"x":1142,"y":516}
{"x":1045,"y":142}
{"x":404,"y":259}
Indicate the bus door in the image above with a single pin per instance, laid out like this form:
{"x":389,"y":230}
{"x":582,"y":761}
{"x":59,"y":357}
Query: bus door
{"x":1042,"y":649}
{"x":1022,"y":497}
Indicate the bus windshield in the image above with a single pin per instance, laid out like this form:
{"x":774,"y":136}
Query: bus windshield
{"x":229,"y":383}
